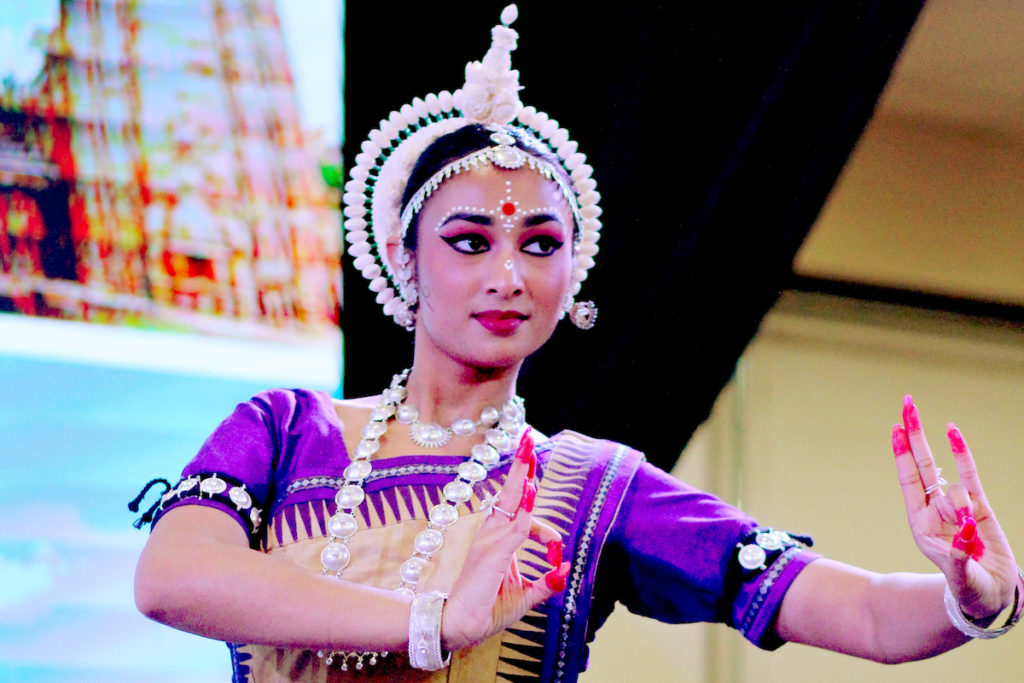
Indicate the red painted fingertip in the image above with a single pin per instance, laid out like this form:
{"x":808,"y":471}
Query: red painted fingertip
{"x":967,"y":538}
{"x":956,"y":439}
{"x":900,"y":443}
{"x":532,"y":472}
{"x":529,"y":497}
{"x":555,"y":553}
{"x":911,"y":418}
{"x":525,"y":449}
{"x":555,"y":579}
{"x":962,"y":514}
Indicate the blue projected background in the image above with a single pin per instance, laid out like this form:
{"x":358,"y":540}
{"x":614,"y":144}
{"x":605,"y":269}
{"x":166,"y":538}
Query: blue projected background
{"x":178,"y":290}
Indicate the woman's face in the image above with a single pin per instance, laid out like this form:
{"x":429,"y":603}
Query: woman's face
{"x":494,"y":261}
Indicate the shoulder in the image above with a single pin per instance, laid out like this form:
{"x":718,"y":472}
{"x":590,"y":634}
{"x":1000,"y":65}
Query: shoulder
{"x":285,"y":410}
{"x":282,"y":402}
{"x":590,"y":450}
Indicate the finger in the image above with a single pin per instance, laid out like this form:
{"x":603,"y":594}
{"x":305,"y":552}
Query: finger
{"x":919,"y":446}
{"x":514,"y":576}
{"x":965,"y":466}
{"x":529,"y":496}
{"x":960,"y":503}
{"x":536,"y":592}
{"x":543,"y":532}
{"x":512,"y":493}
{"x":526,"y":446}
{"x":554,"y":580}
{"x":906,"y":470}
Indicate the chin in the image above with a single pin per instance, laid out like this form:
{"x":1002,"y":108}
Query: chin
{"x":499,"y":356}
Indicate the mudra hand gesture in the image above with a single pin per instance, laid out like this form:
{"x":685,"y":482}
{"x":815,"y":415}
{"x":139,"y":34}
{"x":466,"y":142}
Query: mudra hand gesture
{"x":955,"y":529}
{"x":490,"y":594}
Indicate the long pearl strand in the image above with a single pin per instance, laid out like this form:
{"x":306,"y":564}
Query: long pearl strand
{"x":504,"y":428}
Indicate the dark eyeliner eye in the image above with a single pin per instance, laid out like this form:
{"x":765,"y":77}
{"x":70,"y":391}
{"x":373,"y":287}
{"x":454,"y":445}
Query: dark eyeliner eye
{"x":467,"y":243}
{"x":542,"y":245}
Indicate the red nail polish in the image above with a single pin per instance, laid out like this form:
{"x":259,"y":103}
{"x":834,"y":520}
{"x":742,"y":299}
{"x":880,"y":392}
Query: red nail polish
{"x":900,"y":444}
{"x":555,"y":553}
{"x":962,"y":514}
{"x":525,"y":449}
{"x":532,"y":472}
{"x":555,"y":579}
{"x":529,"y":497}
{"x":956,"y":439}
{"x":967,"y":538}
{"x":911,"y":418}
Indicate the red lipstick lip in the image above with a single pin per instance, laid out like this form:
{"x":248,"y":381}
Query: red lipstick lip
{"x":500,"y":315}
{"x":500,"y":322}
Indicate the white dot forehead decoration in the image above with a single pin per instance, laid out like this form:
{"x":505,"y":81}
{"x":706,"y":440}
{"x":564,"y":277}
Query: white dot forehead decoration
{"x":486,"y":156}
{"x":506,"y":212}
{"x":490,"y":96}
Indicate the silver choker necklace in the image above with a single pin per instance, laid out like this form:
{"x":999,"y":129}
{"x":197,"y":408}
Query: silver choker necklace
{"x":433,"y":435}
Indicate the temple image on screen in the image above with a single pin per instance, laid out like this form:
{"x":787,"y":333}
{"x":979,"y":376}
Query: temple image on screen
{"x":156,"y":173}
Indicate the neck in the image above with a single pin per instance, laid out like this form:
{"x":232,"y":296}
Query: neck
{"x":444,"y":390}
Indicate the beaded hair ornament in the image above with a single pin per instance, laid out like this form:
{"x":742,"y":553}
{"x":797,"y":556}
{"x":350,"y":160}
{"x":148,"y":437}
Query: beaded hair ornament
{"x":490,"y":96}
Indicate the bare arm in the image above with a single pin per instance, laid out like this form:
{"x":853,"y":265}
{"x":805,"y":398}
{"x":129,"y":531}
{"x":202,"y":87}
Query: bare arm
{"x":901,"y":617}
{"x":884,"y":617}
{"x":197,"y":573}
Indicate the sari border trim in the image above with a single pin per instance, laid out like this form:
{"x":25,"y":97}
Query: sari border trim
{"x":582,"y":560}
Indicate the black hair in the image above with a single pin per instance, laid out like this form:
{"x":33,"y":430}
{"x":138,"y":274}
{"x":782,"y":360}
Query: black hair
{"x":462,"y":142}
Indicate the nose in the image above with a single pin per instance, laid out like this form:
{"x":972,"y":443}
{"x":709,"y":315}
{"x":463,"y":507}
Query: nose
{"x":506,"y":276}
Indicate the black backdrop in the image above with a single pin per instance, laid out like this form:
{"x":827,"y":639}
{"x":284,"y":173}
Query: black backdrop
{"x":716,"y":130}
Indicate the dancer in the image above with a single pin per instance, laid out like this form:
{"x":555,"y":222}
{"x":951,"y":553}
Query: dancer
{"x":428,"y":533}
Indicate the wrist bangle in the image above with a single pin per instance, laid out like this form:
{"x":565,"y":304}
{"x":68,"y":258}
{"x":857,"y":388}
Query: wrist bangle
{"x":425,"y":632}
{"x":963,"y":623}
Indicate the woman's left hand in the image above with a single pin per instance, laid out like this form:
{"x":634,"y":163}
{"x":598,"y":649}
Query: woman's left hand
{"x":490,"y":594}
{"x":955,"y":529}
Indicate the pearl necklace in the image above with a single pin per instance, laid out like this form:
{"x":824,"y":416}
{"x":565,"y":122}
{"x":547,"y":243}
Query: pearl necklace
{"x":433,"y":435}
{"x":504,"y":430}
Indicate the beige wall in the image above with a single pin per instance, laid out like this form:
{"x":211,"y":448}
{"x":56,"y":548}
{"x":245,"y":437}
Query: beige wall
{"x":931,"y":207}
{"x":801,"y":439}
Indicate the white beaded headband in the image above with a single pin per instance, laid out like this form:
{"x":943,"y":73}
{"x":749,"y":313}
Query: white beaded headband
{"x":490,"y":96}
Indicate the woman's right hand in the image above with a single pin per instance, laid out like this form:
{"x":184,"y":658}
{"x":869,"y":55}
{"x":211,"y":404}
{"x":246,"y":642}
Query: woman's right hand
{"x":490,"y":594}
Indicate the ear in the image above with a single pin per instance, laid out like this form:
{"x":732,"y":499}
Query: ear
{"x":395,"y":251}
{"x":391,"y":250}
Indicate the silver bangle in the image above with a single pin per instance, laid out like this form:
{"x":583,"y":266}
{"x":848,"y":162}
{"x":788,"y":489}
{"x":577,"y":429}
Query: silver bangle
{"x":425,"y":632}
{"x":972,"y":630}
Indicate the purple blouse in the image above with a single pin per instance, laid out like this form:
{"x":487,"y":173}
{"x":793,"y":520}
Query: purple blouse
{"x":669,"y":551}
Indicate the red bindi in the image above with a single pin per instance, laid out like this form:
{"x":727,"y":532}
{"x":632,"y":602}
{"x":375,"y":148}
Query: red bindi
{"x":508,"y":208}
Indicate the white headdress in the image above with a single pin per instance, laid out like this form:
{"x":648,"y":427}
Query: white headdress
{"x":490,"y":96}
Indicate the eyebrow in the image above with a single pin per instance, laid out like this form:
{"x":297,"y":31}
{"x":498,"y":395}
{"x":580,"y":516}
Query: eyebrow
{"x":540,"y":218}
{"x":479,"y":219}
{"x":469,"y":218}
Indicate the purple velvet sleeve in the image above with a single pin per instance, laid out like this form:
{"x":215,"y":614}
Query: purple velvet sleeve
{"x":267,"y":441}
{"x":668,"y":557}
